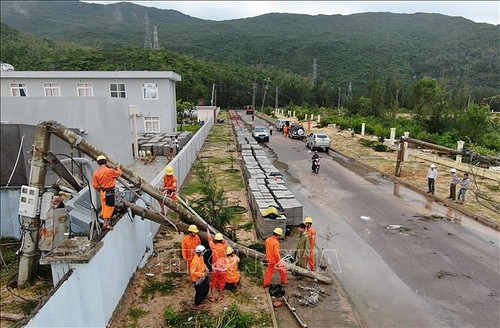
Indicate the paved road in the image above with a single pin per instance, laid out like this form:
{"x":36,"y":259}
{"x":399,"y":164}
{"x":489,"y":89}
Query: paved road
{"x":433,"y":273}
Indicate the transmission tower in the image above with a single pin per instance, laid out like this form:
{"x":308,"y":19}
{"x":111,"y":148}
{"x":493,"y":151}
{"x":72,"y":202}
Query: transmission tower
{"x":147,"y":33}
{"x":156,"y":43}
{"x":315,"y":72}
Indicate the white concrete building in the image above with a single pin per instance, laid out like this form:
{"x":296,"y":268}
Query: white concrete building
{"x":150,"y":95}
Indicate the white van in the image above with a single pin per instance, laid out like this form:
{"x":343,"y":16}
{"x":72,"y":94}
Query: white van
{"x":282,"y":122}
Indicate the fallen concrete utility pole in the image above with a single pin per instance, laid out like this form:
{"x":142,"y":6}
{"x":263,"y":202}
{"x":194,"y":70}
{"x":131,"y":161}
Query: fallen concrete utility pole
{"x":42,"y":143}
{"x":181,"y":226}
{"x":432,"y":146}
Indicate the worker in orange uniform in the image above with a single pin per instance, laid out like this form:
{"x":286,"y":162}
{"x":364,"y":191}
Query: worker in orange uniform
{"x":169,"y":188}
{"x":273,"y":257}
{"x":285,"y":130}
{"x":219,"y":265}
{"x":312,"y":242}
{"x":104,"y":180}
{"x":233,"y":274}
{"x":189,"y":243}
{"x":198,"y":272}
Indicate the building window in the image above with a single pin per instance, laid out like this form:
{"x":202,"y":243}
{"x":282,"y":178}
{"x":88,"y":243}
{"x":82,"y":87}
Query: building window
{"x":150,"y":91}
{"x":52,"y":89}
{"x":18,"y":89}
{"x":117,"y":90}
{"x":84,"y":90}
{"x":151,"y":124}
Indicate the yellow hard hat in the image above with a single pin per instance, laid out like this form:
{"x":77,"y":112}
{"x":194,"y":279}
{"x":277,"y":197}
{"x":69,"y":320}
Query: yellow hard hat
{"x":101,"y":157}
{"x":218,"y":236}
{"x":229,"y":250}
{"x":169,"y":170}
{"x":278,"y":231}
{"x":308,"y":220}
{"x":193,"y":228}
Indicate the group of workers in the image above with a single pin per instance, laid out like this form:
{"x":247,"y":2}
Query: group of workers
{"x":225,"y":273}
{"x":304,"y":254}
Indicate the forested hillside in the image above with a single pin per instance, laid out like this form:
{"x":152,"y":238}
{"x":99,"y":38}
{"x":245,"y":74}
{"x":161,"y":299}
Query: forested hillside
{"x":352,"y":48}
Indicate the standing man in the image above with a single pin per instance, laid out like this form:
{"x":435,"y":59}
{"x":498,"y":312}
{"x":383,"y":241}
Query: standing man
{"x":198,"y":272}
{"x":302,"y":254}
{"x":431,"y":179}
{"x":453,"y":184}
{"x":312,"y":242}
{"x":169,"y":187}
{"x":189,"y":243}
{"x":285,"y":130}
{"x":270,"y":130}
{"x":233,"y":274}
{"x":273,"y":257}
{"x":104,"y":180}
{"x":464,"y":185}
{"x":219,"y":265}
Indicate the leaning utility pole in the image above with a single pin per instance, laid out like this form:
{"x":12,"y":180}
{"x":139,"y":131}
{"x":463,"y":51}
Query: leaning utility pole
{"x":315,"y":72}
{"x":266,"y":86}
{"x":30,"y":225}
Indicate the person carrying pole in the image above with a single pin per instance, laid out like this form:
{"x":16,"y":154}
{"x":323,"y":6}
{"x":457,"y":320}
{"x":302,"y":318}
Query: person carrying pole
{"x":104,"y":180}
{"x":219,"y":265}
{"x":169,"y":188}
{"x":273,"y":257}
{"x":312,"y":242}
{"x":233,"y":274}
{"x":189,"y":243}
{"x":198,"y":272}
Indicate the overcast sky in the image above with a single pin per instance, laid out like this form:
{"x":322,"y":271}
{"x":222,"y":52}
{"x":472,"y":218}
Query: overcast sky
{"x":477,"y":11}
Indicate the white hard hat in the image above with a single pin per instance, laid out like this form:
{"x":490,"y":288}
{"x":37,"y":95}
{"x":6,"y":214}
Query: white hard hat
{"x":199,"y":249}
{"x":433,"y":165}
{"x":453,"y":171}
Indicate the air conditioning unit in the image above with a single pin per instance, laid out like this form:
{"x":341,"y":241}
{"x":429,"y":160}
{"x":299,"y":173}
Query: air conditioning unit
{"x":80,"y":210}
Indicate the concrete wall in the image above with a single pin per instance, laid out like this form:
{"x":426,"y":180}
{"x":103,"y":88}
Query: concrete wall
{"x":106,"y":120}
{"x":92,"y":292}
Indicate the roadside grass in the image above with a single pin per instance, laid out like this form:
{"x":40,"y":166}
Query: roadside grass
{"x":135,"y":314}
{"x":155,"y":286}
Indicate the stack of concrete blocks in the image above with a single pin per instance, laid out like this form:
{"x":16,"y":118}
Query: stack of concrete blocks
{"x":265,"y":186}
{"x":161,"y":141}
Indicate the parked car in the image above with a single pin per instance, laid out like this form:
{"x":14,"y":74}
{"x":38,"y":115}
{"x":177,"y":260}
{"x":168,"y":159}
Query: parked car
{"x":296,"y":131}
{"x":281,"y":122}
{"x":261,"y":133}
{"x":318,"y":141}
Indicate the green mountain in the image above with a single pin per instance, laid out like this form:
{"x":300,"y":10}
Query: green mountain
{"x":353,"y":48}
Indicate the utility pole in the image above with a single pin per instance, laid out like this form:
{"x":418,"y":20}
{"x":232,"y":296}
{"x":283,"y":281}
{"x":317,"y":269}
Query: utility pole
{"x":213,"y":93}
{"x":253,"y":94}
{"x":30,"y":225}
{"x":276,"y":99}
{"x":315,"y":72}
{"x":339,"y":101}
{"x":266,"y":86}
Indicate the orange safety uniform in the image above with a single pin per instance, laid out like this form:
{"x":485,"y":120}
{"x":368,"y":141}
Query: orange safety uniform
{"x":219,"y":263}
{"x":233,"y":274}
{"x":170,"y":186}
{"x":312,"y":244}
{"x":285,"y":130}
{"x":189,"y":243}
{"x":105,"y":178}
{"x":274,"y":261}
{"x":197,"y":268}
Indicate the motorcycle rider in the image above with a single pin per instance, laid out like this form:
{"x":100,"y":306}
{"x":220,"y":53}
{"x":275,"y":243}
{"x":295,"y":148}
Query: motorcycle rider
{"x":314,"y":160}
